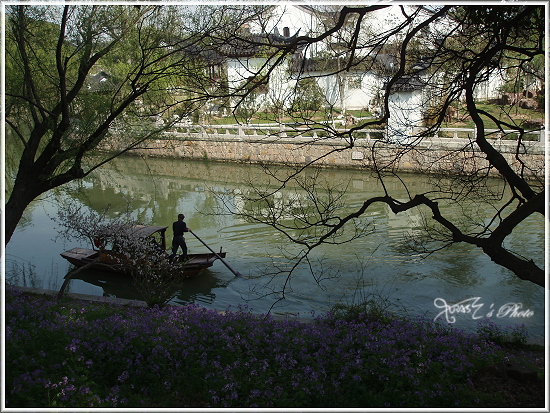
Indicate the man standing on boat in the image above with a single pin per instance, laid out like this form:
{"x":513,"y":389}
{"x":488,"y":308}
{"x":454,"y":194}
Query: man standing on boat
{"x":179,"y":228}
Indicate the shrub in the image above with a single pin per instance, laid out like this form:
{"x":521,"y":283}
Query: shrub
{"x":70,"y":353}
{"x":514,"y":335}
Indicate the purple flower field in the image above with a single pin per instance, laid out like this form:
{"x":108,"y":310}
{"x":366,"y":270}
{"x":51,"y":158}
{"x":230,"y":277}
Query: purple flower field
{"x":70,"y":353}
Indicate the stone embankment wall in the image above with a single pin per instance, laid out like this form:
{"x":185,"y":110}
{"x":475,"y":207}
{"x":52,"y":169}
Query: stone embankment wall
{"x":456,"y":155}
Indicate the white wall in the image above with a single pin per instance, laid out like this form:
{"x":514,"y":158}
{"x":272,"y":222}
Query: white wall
{"x":357,"y":99}
{"x":490,"y":88}
{"x":280,"y":87}
{"x":354,"y":98}
{"x":405,"y":113}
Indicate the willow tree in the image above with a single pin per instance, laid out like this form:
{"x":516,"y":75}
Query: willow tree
{"x":79,"y":74}
{"x":449,"y":52}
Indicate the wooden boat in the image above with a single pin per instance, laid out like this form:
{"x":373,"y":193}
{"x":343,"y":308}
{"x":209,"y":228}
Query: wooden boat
{"x":107,"y":260}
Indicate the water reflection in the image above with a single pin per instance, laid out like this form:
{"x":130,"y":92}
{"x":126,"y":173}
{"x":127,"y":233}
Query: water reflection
{"x":112,"y":284}
{"x":162,"y":188}
{"x":121,"y":286}
{"x":21,"y":272}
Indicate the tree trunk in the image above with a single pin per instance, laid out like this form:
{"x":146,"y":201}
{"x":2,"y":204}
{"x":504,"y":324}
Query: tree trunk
{"x":19,"y":199}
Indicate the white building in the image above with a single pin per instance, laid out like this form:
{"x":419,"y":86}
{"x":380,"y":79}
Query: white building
{"x":361,"y":87}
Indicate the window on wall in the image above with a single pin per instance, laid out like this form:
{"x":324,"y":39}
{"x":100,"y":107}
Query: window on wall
{"x":354,"y":81}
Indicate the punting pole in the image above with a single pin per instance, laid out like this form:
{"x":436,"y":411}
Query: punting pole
{"x":237,"y":274}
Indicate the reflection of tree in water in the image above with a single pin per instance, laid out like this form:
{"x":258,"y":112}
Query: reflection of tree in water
{"x":106,"y":198}
{"x":159,"y":188}
{"x":21,"y":272}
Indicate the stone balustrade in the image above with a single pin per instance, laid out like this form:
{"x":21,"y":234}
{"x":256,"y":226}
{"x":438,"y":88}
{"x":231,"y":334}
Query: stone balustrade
{"x":449,"y":150}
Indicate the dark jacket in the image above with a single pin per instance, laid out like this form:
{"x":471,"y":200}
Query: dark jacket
{"x":179,"y":228}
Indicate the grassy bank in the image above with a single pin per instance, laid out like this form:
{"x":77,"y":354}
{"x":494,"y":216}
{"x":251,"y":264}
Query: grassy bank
{"x":71,"y":353}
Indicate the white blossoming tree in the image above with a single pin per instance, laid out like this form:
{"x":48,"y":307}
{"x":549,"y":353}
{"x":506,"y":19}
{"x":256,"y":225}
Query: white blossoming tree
{"x":153,"y":274}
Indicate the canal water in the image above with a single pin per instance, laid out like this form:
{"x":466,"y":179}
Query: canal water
{"x":376,"y":266}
